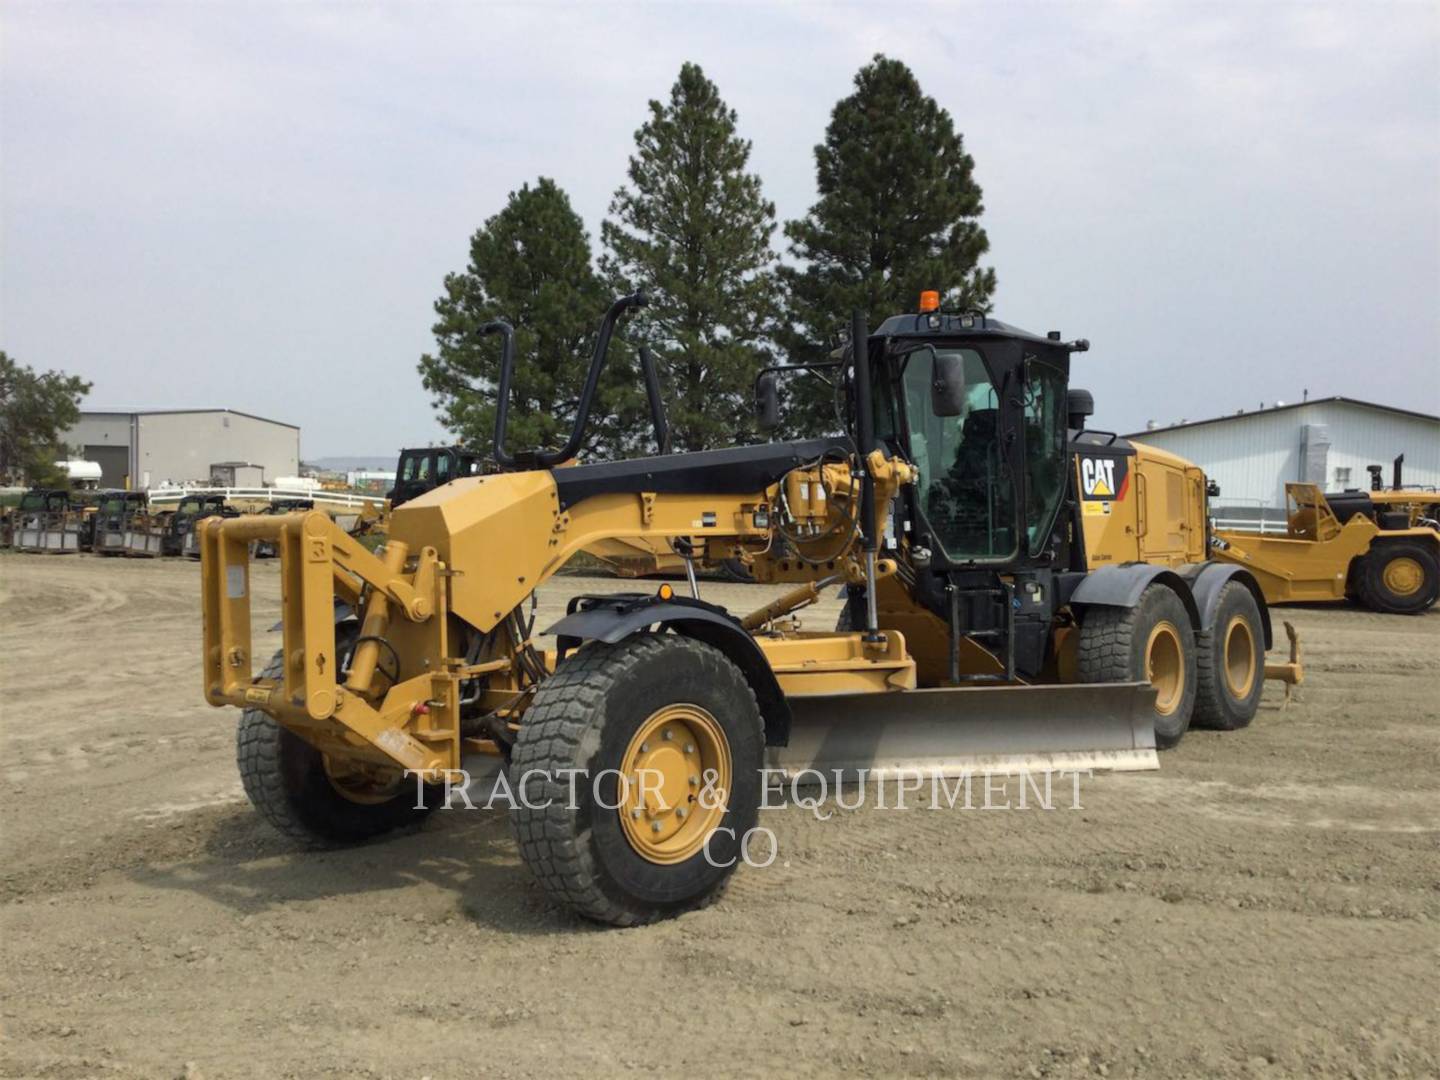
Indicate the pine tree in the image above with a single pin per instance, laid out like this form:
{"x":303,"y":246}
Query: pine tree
{"x":529,"y":265}
{"x":897,"y":214}
{"x":693,"y":229}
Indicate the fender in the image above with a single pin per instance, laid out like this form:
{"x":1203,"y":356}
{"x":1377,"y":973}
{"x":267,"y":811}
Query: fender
{"x":1208,"y":578}
{"x":616,"y":616}
{"x":1122,"y":584}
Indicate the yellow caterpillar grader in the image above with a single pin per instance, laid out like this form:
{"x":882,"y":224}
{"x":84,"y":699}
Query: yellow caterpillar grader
{"x":1022,"y":592}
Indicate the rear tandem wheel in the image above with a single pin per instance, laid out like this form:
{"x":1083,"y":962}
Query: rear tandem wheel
{"x":1230,"y":662}
{"x":1152,"y":642}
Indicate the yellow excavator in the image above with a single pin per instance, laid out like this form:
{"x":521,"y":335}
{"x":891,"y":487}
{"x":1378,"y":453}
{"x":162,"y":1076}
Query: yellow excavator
{"x":1022,"y":592}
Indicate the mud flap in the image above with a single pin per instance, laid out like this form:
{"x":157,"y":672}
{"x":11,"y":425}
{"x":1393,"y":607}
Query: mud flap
{"x":958,"y":730}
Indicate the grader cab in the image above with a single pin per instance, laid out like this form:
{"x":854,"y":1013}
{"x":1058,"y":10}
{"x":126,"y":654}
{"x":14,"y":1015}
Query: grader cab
{"x":1022,"y":594}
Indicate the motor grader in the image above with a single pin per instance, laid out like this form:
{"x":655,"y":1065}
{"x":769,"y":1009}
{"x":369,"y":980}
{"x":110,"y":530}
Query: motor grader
{"x":1023,"y":593}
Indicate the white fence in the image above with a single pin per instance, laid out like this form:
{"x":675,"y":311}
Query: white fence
{"x":164,"y":497}
{"x":1251,"y":525}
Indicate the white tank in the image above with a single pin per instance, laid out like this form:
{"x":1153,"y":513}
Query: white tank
{"x":82,"y":473}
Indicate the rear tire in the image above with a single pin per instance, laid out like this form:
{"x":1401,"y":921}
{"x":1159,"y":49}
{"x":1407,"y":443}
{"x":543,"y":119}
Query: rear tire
{"x":288,"y":782}
{"x":1151,"y":642}
{"x":1230,"y":662}
{"x":594,"y":854}
{"x":1398,"y":577}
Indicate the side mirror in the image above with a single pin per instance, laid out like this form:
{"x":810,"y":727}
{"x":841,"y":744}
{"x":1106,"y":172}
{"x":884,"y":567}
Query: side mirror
{"x":767,"y":402}
{"x":947,"y":384}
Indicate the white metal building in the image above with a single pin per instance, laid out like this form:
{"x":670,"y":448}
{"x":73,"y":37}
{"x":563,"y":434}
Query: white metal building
{"x":148,"y":448}
{"x":1328,"y":441}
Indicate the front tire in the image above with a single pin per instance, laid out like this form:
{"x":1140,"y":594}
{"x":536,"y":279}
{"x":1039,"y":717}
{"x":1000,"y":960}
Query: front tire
{"x":1398,"y":577}
{"x":1230,"y":662}
{"x":654,"y":705}
{"x":1152,"y":642}
{"x":312,"y":800}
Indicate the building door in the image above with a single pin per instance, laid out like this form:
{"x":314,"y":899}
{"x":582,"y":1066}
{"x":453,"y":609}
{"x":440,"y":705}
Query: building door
{"x":114,"y":462}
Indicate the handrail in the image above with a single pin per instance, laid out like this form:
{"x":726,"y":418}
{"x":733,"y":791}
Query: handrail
{"x":657,"y":403}
{"x":549,"y":458}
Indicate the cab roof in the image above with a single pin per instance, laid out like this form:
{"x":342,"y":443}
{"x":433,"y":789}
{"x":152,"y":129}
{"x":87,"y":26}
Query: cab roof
{"x":951,"y":325}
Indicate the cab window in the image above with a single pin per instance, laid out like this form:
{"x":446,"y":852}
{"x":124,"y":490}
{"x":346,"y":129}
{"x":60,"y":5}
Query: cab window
{"x":966,"y":491}
{"x":1044,"y":421}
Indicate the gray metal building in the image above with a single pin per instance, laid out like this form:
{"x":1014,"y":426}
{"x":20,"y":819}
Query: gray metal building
{"x":147,"y":448}
{"x":1328,"y":441}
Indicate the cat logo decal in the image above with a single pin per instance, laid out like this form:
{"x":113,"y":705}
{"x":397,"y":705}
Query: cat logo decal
{"x":1103,"y":479}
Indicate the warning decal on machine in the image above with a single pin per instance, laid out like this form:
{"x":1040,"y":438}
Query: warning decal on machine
{"x":1104,"y":479}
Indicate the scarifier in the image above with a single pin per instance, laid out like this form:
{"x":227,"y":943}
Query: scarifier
{"x":1021,"y":592}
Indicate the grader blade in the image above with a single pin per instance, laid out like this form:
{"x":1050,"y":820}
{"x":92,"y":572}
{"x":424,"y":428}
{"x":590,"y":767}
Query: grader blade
{"x":954,"y":731}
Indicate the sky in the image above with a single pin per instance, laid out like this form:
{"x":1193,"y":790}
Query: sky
{"x":253,"y":206}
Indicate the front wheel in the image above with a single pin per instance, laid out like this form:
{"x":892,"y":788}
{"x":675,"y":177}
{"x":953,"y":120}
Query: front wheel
{"x":637,"y":773}
{"x":313,"y":799}
{"x":1152,"y":642}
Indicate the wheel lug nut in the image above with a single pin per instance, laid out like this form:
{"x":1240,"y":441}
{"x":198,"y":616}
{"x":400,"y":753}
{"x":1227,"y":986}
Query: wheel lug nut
{"x":635,"y":813}
{"x":689,"y":748}
{"x":655,"y":826}
{"x":694,"y":781}
{"x":680,"y":812}
{"x":644,"y":747}
{"x":667,"y":735}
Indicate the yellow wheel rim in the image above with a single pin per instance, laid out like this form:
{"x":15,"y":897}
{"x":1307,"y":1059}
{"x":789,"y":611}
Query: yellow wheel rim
{"x":1403,"y":576}
{"x":361,"y":783}
{"x":1239,"y":657}
{"x":1165,"y":666}
{"x":676,"y":763}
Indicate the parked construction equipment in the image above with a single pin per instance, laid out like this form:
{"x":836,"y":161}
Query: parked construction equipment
{"x":1380,"y":548}
{"x":47,"y":522}
{"x":181,"y":537}
{"x":1023,"y":594}
{"x":125,"y":524}
{"x":426,"y":468}
{"x":264,"y":549}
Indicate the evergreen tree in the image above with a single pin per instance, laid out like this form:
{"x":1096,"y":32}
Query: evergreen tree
{"x":897,"y":214}
{"x":693,"y":229}
{"x":36,"y":408}
{"x":529,"y":265}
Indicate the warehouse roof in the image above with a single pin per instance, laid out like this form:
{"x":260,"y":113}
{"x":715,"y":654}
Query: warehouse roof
{"x":1285,"y":408}
{"x":177,"y":412}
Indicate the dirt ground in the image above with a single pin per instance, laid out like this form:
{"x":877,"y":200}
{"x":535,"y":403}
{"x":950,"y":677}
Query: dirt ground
{"x":1268,"y":903}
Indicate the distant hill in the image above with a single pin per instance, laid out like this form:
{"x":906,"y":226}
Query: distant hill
{"x":349,"y":464}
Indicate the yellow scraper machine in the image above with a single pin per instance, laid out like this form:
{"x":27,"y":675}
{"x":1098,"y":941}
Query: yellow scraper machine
{"x":1021,"y":593}
{"x":1380,"y":548}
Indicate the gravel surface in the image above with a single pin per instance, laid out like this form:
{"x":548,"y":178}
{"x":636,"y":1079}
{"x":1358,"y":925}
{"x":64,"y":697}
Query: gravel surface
{"x":1268,"y":903}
